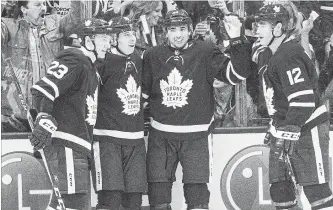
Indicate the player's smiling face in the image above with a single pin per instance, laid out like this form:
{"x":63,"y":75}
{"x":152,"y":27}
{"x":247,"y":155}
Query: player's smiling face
{"x":178,"y":35}
{"x":102,"y":44}
{"x":126,"y":42}
{"x":264,"y":32}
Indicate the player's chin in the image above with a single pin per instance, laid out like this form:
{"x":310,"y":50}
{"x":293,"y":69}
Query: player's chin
{"x":263,"y":42}
{"x":129,"y":50}
{"x":179,"y":44}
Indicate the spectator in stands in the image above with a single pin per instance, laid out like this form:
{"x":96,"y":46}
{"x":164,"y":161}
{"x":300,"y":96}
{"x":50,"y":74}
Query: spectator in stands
{"x":319,"y":36}
{"x":9,"y":8}
{"x":31,"y":41}
{"x":153,"y":15}
{"x":326,"y":76}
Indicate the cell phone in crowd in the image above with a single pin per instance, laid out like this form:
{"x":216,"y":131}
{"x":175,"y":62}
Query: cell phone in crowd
{"x":313,"y":15}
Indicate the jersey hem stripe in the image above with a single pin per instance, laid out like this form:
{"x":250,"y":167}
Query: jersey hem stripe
{"x":71,"y":138}
{"x":180,"y":128}
{"x":119,"y":134}
{"x":298,"y":104}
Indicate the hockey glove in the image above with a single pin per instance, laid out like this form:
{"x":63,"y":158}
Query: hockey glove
{"x":201,"y":29}
{"x":233,"y":26}
{"x":286,"y":140}
{"x":45,"y":125}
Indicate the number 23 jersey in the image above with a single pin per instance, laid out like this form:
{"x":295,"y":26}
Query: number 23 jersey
{"x":71,"y":84}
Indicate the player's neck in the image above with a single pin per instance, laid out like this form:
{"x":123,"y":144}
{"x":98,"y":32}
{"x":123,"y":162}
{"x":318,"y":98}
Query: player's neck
{"x":179,"y":48}
{"x":89,"y":54}
{"x":276,"y":43}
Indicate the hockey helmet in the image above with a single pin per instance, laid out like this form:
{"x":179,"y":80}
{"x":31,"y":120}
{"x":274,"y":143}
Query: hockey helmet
{"x":94,"y":26}
{"x":121,"y":24}
{"x":280,"y":12}
{"x":177,"y":17}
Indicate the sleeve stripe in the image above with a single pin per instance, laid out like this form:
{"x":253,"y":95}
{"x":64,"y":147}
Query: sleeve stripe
{"x":228,"y":73}
{"x":145,"y":96}
{"x":47,"y":94}
{"x":54,"y":86}
{"x":235,"y":73}
{"x":257,"y":52}
{"x":145,"y":104}
{"x":299,"y":93}
{"x":298,"y":104}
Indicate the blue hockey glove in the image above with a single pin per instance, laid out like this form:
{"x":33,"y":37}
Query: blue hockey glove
{"x":45,"y":125}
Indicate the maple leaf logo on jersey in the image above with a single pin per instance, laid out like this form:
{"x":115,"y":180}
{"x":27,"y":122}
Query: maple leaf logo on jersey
{"x":174,"y":90}
{"x":92,"y":108}
{"x":269,"y":94}
{"x":277,"y":9}
{"x":130,"y":97}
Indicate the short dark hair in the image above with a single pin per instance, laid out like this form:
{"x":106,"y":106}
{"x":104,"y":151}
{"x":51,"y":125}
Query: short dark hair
{"x":248,"y":22}
{"x":21,"y":3}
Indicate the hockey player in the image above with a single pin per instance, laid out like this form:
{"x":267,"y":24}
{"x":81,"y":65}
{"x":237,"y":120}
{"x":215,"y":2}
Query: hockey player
{"x":178,"y":83}
{"x":66,"y":100}
{"x":299,"y":137}
{"x":119,"y":166}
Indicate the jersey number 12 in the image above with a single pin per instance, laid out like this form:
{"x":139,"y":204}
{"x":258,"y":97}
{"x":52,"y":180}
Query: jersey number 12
{"x":294,"y":76}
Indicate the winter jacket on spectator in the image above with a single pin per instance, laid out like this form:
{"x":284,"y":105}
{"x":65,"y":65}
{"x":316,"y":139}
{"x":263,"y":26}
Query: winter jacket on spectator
{"x":31,"y":50}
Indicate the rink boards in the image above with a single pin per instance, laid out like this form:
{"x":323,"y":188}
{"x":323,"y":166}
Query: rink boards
{"x":239,"y":181}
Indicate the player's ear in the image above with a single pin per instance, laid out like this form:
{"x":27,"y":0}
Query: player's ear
{"x":89,"y":43}
{"x":277,"y":30}
{"x":23,"y":10}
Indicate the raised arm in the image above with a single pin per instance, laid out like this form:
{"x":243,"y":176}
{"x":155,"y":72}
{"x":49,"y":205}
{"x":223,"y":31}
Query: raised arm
{"x":72,"y":19}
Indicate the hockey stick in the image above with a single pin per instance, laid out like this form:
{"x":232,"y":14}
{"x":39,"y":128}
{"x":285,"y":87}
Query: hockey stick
{"x":291,"y":172}
{"x":30,"y":120}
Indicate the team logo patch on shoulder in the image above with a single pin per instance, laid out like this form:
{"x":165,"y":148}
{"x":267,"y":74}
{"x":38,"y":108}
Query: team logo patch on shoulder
{"x":277,"y":9}
{"x":174,"y":90}
{"x":92,"y":108}
{"x":130,"y":97}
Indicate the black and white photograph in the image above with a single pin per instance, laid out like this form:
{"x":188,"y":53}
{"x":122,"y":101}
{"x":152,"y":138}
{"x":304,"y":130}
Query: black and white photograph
{"x":166,"y":105}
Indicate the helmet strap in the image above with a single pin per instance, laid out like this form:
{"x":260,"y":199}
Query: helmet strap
{"x":277,"y":36}
{"x":274,"y":36}
{"x":121,"y":52}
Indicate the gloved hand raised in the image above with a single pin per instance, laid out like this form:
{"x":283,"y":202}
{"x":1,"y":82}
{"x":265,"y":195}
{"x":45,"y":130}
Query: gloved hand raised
{"x":233,"y":26}
{"x":45,"y":125}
